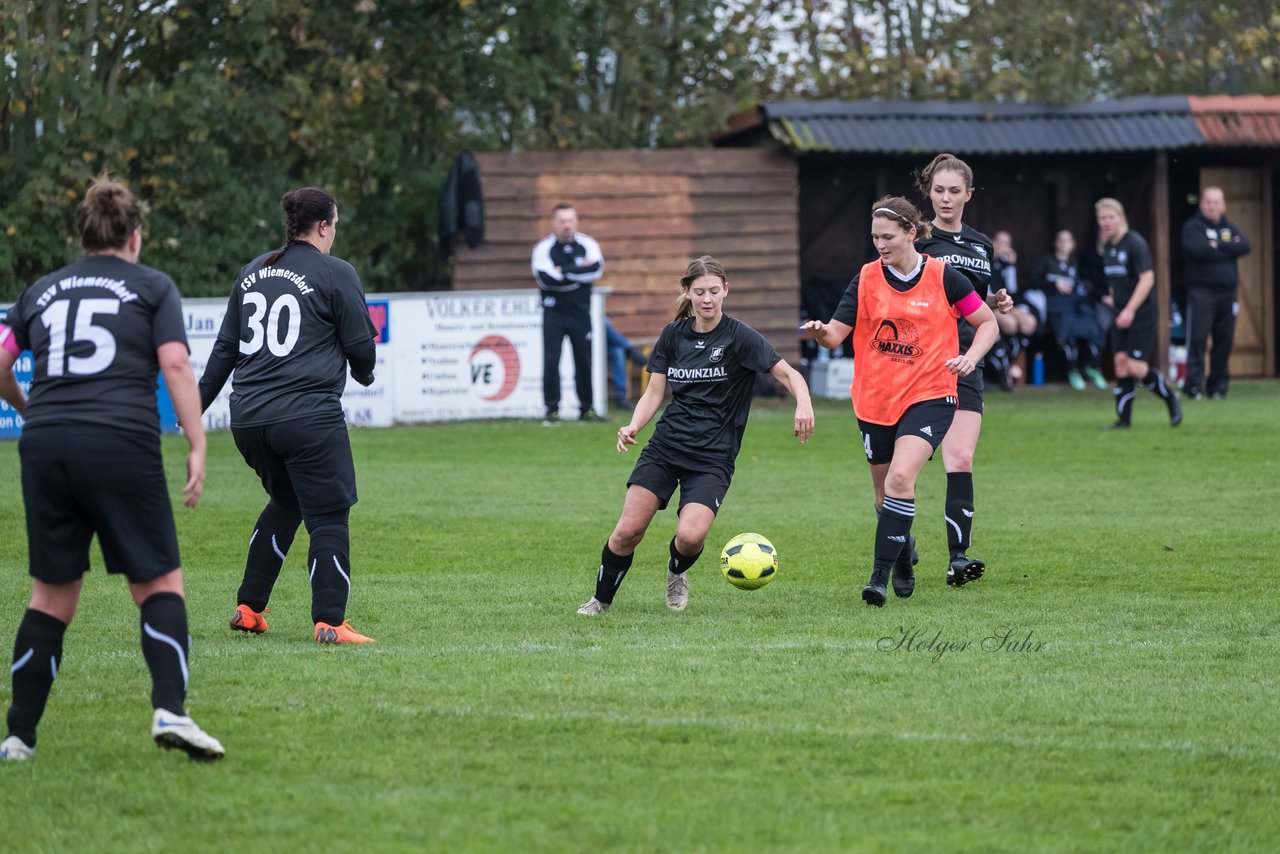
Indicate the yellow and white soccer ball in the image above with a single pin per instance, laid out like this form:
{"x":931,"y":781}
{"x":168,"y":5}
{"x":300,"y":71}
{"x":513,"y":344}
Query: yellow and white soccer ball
{"x":749,"y":561}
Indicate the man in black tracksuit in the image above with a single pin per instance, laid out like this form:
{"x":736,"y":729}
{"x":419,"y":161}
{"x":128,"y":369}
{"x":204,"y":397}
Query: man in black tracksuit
{"x":565,"y":263}
{"x":1210,"y":247}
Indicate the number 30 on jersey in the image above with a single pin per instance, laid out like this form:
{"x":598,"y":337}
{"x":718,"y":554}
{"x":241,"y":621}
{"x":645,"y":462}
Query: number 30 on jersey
{"x":270,"y":326}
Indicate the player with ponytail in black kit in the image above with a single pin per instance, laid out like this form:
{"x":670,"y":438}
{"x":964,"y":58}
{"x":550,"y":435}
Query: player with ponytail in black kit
{"x":710,"y":361}
{"x":296,"y":319}
{"x":100,"y":330}
{"x":948,"y":184}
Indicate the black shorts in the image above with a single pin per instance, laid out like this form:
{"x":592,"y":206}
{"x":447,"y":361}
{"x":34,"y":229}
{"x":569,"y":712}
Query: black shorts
{"x":1136,"y":342}
{"x":969,"y":391}
{"x":77,"y":482}
{"x":697,"y":486}
{"x":928,"y":419}
{"x":304,"y":465}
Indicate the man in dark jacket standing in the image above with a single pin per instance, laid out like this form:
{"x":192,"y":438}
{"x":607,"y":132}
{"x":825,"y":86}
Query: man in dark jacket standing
{"x":1210,"y":247}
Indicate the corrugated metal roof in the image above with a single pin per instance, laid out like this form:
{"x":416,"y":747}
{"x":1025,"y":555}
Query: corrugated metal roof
{"x":1131,"y":124}
{"x":1241,"y":121}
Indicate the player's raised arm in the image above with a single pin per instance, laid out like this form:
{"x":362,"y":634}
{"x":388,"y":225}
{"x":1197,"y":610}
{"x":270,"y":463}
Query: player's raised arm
{"x":828,"y":334}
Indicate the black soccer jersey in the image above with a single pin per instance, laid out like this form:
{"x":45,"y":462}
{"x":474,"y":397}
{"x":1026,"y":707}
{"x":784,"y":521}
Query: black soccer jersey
{"x":1053,"y":271}
{"x":93,"y":328}
{"x":957,"y":287}
{"x":1122,"y":263}
{"x":289,"y":331}
{"x":968,"y":251}
{"x":711,"y":377}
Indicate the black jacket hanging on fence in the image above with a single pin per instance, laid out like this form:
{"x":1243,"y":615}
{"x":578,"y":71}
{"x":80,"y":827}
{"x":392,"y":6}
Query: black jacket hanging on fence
{"x":461,"y":205}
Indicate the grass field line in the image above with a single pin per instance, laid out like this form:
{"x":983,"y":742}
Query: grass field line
{"x":724,"y":723}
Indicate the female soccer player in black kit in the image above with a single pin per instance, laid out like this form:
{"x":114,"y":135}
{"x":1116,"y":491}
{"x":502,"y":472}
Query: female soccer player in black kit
{"x":296,"y":319}
{"x":948,"y":183}
{"x":100,"y":330}
{"x":1126,"y":262}
{"x":901,"y":310}
{"x":710,"y":362}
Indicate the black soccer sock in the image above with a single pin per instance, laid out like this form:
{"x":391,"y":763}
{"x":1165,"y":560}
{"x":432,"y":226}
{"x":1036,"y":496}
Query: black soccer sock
{"x":272,"y":537}
{"x":37,"y":652}
{"x":1154,"y":380}
{"x":892,"y":531}
{"x":1124,"y":399}
{"x":166,"y":645}
{"x":680,"y":562}
{"x":998,"y":356}
{"x":1092,"y":357}
{"x":329,"y":567}
{"x":1070,"y":353}
{"x":613,"y":568}
{"x":959,"y":511}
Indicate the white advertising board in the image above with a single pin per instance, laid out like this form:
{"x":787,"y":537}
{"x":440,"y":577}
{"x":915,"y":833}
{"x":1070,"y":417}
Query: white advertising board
{"x":478,"y":354}
{"x":442,"y":356}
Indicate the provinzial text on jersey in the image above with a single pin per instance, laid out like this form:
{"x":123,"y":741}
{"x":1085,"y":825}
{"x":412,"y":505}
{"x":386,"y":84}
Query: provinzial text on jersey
{"x":962,"y":262}
{"x":116,"y":286}
{"x":716,"y":373}
{"x":278,"y":273}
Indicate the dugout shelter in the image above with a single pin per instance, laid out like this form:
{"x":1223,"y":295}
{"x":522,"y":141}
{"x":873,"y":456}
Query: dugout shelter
{"x":1039,"y":168}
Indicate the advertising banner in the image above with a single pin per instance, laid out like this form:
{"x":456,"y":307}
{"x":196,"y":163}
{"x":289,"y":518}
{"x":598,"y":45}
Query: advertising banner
{"x":441,"y":356}
{"x":478,"y":354}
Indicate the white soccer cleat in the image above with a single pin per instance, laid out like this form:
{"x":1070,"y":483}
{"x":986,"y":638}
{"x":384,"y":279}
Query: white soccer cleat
{"x":593,"y":607}
{"x":677,"y":590}
{"x":170,"y":731}
{"x":14,"y":749}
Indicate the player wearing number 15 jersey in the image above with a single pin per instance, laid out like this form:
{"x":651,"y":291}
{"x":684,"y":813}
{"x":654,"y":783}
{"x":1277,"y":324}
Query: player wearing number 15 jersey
{"x":99,"y":331}
{"x":295,"y":320}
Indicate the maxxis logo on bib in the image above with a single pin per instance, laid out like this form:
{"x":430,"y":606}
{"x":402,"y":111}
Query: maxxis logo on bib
{"x":897,"y":339}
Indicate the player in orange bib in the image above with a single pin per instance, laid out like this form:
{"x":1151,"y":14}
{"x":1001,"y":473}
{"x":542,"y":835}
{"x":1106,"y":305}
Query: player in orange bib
{"x":902,"y":311}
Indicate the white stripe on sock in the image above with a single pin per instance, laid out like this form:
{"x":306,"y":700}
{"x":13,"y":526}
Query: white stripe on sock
{"x":312,"y":576}
{"x":952,"y":523}
{"x":26,"y":656}
{"x":53,"y":666}
{"x":253,"y":536}
{"x":275,"y":548}
{"x":345,"y":577}
{"x":177,"y":647}
{"x":899,"y":506}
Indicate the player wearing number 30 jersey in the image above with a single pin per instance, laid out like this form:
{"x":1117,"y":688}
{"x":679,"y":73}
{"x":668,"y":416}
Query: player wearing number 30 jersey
{"x":295,"y":320}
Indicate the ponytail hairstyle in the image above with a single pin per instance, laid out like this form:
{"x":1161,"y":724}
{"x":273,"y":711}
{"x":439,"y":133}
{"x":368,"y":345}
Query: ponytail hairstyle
{"x":303,"y":209}
{"x":698,"y":267}
{"x":901,"y":211}
{"x":943,"y":163}
{"x":108,"y":215}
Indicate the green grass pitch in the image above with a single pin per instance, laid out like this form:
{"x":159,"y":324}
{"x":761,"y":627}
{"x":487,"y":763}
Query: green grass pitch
{"x":1132,"y":707}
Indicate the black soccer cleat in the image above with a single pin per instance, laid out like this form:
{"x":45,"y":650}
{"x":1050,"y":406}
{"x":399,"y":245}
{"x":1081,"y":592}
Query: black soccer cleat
{"x":904,"y":577}
{"x":1175,"y":410}
{"x":964,"y":569}
{"x":1119,"y":425}
{"x":875,"y":593}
